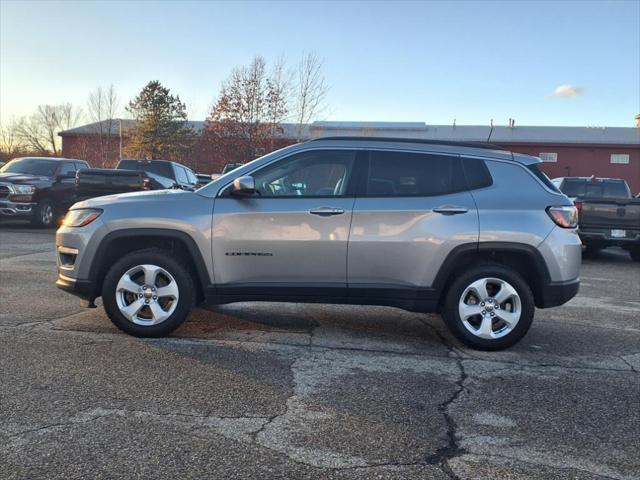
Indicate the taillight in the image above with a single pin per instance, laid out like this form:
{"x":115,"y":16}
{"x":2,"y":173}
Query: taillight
{"x":565,"y":216}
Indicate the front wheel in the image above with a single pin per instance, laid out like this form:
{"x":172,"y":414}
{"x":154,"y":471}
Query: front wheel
{"x":490,"y":307}
{"x":44,"y":215}
{"x":148,"y":294}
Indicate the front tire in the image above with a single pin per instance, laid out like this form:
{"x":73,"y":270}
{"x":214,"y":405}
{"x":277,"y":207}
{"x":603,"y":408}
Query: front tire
{"x":489,"y":307}
{"x":148,"y":293}
{"x":44,"y":215}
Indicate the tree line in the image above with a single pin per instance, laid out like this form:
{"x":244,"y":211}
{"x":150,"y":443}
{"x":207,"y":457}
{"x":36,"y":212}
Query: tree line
{"x":244,"y":122}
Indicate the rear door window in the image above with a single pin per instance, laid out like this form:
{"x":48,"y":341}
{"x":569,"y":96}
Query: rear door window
{"x":397,"y":174}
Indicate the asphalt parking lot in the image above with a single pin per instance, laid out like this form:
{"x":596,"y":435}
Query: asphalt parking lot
{"x":314,"y":391}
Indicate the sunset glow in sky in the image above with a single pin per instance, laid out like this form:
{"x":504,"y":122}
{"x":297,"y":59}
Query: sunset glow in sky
{"x":543,"y":63}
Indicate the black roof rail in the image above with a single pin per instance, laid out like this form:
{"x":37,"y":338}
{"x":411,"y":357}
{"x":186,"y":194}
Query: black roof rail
{"x":488,"y":146}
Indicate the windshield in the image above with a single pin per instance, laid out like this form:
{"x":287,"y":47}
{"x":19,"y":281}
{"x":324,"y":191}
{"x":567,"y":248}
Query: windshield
{"x":31,"y":166}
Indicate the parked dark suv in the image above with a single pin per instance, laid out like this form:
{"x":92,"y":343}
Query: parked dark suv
{"x":38,"y":188}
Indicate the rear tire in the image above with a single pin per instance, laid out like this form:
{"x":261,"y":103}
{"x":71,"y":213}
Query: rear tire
{"x":148,"y":293}
{"x":635,"y":254}
{"x":44,"y":215}
{"x":591,"y":250}
{"x":496,"y":303}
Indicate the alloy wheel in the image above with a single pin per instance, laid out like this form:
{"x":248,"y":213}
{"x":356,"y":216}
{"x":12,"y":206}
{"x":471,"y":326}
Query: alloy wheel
{"x":490,"y":308}
{"x":147,"y":295}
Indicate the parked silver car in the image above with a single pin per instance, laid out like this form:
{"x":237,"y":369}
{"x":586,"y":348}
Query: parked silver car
{"x":474,"y":232}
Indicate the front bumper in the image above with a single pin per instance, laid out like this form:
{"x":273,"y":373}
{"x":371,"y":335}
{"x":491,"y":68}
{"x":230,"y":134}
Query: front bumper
{"x":16,"y":209}
{"x":554,"y":294}
{"x":85,"y":289}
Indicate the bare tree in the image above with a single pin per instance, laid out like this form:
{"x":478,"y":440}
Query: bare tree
{"x":278,"y":97}
{"x":9,"y":142}
{"x":39,"y":132}
{"x":102,"y":106}
{"x":310,"y":91}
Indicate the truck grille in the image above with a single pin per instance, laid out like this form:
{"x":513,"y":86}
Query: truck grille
{"x":4,"y":191}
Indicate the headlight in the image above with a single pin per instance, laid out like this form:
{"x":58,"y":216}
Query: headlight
{"x":24,"y":189}
{"x":81,"y":217}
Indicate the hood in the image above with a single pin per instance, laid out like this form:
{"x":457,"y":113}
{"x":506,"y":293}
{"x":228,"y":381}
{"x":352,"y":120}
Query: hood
{"x":132,"y":197}
{"x":9,"y":177}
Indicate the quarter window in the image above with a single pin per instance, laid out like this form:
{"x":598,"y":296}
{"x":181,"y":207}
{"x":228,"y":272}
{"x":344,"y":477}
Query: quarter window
{"x":413,"y":174}
{"x":320,"y":173}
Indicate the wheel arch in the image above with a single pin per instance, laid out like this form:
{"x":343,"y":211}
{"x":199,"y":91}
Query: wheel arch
{"x":120,"y":242}
{"x":519,"y":256}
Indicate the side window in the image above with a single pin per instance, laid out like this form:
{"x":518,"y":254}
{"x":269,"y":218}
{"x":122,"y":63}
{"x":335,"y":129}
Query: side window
{"x":320,"y":173}
{"x":67,"y":167}
{"x":476,"y":173}
{"x":413,"y":174}
{"x":81,"y":166}
{"x":181,"y":175}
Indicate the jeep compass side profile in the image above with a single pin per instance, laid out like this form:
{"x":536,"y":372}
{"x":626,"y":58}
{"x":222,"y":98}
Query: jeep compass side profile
{"x":474,"y":232}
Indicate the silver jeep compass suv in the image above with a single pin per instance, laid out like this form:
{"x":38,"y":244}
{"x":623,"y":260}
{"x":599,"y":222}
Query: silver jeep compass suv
{"x":474,"y":232}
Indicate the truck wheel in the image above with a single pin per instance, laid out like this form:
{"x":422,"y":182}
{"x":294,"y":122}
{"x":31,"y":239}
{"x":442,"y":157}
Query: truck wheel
{"x":635,"y":254}
{"x":489,"y":307}
{"x":148,"y":294}
{"x":44,"y":215}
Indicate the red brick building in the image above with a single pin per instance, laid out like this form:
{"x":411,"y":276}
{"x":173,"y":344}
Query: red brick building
{"x":566,"y":151}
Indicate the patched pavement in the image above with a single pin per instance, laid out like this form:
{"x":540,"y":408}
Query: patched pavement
{"x":314,"y":391}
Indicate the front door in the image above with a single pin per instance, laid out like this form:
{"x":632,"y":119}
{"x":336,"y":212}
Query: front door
{"x":290,"y":237}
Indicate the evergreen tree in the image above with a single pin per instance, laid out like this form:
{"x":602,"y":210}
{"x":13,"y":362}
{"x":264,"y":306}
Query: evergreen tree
{"x":161,"y":130}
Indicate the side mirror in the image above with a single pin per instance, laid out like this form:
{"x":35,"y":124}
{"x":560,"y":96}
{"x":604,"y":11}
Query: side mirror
{"x":244,"y":186}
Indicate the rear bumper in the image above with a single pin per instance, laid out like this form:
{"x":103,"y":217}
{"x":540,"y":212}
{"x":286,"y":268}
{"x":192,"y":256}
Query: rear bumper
{"x":602,"y":236}
{"x":558,"y":293}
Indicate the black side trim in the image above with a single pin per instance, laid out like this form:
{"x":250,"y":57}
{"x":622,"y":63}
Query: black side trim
{"x":413,"y":299}
{"x":155,"y":233}
{"x":558,"y":293}
{"x":80,"y":288}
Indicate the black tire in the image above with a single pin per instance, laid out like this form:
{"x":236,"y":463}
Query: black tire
{"x":451,"y":314}
{"x":591,"y":250}
{"x":44,"y":214}
{"x":172,"y":265}
{"x":635,"y":254}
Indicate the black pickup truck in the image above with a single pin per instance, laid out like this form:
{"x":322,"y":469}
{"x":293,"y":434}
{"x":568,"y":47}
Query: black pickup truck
{"x":608,"y":215}
{"x":132,"y":176}
{"x":40,"y":189}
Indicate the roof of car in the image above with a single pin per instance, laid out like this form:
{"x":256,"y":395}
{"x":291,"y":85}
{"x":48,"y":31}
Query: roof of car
{"x":56,"y":159}
{"x":424,"y":145}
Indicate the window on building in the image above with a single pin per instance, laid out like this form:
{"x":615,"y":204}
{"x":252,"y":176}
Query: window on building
{"x":549,"y":157}
{"x":620,"y":158}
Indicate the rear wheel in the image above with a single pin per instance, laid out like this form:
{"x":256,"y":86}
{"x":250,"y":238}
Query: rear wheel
{"x":44,"y":215}
{"x":635,"y":254}
{"x":148,"y":293}
{"x":490,"y":307}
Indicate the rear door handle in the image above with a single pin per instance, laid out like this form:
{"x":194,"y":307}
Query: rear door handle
{"x":450,"y":210}
{"x":326,"y":211}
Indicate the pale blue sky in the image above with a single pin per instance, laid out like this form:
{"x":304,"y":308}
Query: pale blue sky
{"x":387,"y":61}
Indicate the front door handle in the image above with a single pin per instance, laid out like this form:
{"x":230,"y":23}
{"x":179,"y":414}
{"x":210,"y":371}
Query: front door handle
{"x":326,"y":211}
{"x":450,"y":210}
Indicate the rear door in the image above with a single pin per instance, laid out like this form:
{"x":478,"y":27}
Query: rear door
{"x":290,"y":238}
{"x":413,"y":210}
